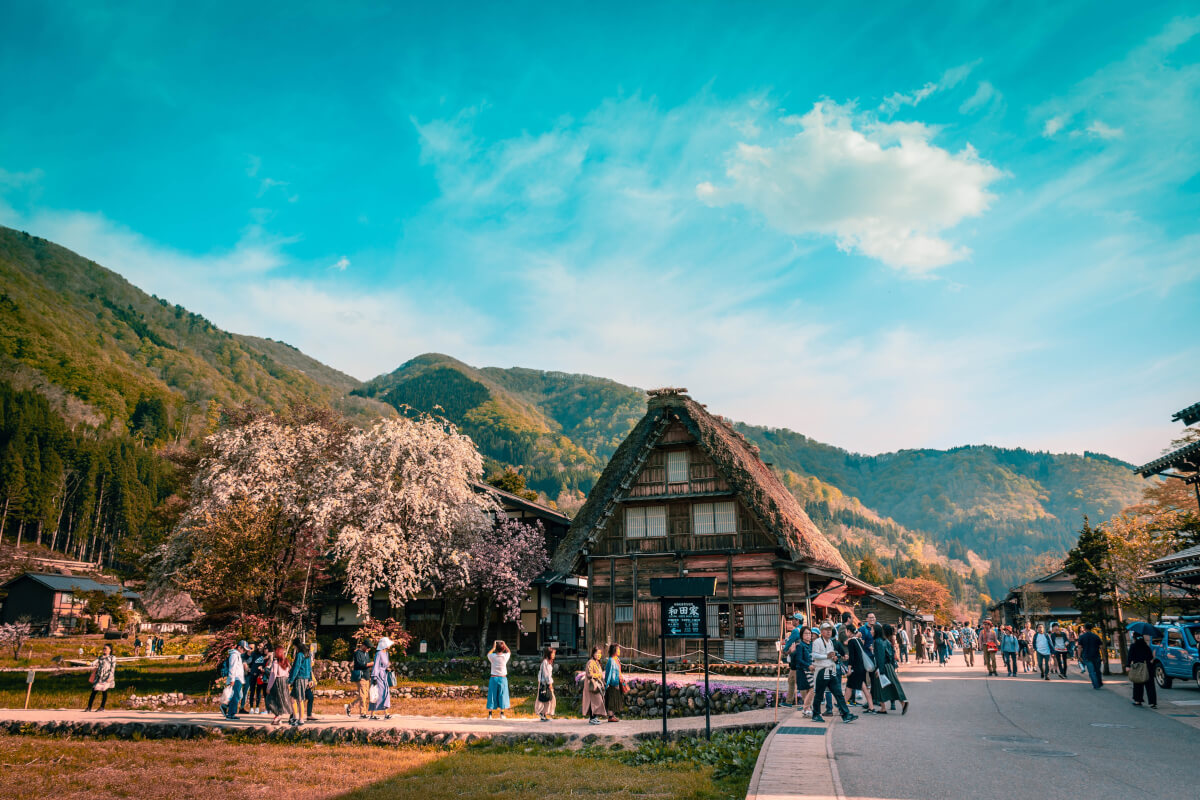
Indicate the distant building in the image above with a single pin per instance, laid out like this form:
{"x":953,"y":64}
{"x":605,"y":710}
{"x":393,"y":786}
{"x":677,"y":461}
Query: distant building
{"x":169,"y":611}
{"x":1045,"y":599}
{"x":552,"y":613}
{"x":686,"y":494}
{"x":48,"y":601}
{"x":1178,"y":577}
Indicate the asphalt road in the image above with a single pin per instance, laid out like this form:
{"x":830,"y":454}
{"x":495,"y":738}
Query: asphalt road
{"x":969,"y":736}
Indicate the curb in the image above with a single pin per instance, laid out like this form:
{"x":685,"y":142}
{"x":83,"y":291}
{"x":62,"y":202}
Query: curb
{"x":838,"y":792}
{"x":752,"y":789}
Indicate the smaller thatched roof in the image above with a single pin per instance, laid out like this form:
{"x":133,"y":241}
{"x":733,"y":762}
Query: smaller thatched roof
{"x":754,"y":482}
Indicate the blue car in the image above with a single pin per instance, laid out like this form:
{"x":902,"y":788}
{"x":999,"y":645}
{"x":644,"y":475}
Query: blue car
{"x":1177,"y":648}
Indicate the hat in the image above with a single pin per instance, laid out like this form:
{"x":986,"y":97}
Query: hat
{"x":798,"y":615}
{"x":242,"y":644}
{"x":826,"y":624}
{"x":384,"y":643}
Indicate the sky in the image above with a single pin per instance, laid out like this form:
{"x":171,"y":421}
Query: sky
{"x":883,"y":225}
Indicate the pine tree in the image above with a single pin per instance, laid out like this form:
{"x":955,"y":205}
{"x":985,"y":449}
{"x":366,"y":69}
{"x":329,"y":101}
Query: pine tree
{"x":1085,"y":563}
{"x":12,"y":482}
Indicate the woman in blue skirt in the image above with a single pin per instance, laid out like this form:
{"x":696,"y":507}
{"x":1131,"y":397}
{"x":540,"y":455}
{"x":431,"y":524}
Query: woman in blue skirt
{"x":498,"y":685}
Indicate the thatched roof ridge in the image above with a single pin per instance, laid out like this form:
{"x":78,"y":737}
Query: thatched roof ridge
{"x":753,"y":481}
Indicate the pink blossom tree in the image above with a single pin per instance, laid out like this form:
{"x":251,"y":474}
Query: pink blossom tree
{"x":504,"y":562}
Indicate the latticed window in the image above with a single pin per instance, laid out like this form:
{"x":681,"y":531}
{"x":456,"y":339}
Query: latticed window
{"x":623,"y":614}
{"x":645,"y":521}
{"x":714,"y":517}
{"x":677,"y":466}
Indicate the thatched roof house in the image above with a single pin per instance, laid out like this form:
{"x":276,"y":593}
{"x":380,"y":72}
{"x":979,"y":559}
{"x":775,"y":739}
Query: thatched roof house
{"x":687,"y":494}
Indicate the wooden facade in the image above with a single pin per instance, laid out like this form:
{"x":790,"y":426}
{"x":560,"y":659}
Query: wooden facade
{"x":684,"y":504}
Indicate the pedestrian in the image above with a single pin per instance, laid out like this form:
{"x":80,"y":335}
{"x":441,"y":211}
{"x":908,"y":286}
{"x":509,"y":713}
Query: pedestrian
{"x":801,"y":666}
{"x":360,"y":674}
{"x":253,"y":661}
{"x":827,"y":653}
{"x":593,"y":689}
{"x":989,"y":644}
{"x":497,"y":696}
{"x":309,"y":694}
{"x":103,"y":677}
{"x":545,"y":703}
{"x":1141,"y":671}
{"x":235,"y":676}
{"x":1009,"y":647}
{"x":1061,"y":643}
{"x":298,"y":679}
{"x":382,"y":679}
{"x":858,"y":680}
{"x":137,"y":646}
{"x":277,"y":684}
{"x":614,"y":683}
{"x":890,"y":690}
{"x":902,"y":644}
{"x":1090,"y":648}
{"x":968,"y":644}
{"x":785,"y":656}
{"x":1042,"y":649}
{"x":867,"y":632}
{"x":919,"y":644}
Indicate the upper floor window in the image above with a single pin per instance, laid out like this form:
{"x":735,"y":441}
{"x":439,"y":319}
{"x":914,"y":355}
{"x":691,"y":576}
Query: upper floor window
{"x":714,"y":517}
{"x":677,"y":466}
{"x":645,"y":521}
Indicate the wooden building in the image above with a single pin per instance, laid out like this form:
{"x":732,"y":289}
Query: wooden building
{"x":48,"y":601}
{"x":685,"y":494}
{"x":1050,"y":598}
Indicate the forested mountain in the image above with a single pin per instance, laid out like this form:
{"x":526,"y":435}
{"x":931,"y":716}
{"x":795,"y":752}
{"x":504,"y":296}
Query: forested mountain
{"x":124,"y":373}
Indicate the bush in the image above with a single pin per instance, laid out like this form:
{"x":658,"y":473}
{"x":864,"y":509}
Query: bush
{"x":339,"y":650}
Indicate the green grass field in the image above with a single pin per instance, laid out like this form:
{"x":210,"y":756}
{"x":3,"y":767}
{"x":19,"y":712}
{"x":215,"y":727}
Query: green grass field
{"x":192,"y":770}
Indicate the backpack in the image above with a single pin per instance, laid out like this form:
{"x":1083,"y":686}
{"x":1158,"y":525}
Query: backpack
{"x":224,"y":669}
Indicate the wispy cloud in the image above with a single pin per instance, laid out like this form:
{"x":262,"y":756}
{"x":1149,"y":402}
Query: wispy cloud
{"x":950,"y":79}
{"x":986,"y":95}
{"x":341,"y":265}
{"x":1098,"y":130}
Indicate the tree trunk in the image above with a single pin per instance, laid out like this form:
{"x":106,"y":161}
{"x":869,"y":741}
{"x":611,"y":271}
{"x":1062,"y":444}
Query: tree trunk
{"x":20,"y":532}
{"x":485,"y":619}
{"x":3,"y":520}
{"x":39,"y":533}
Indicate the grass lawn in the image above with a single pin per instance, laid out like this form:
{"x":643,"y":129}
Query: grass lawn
{"x":71,"y":689}
{"x":41,"y":651}
{"x":182,"y":770}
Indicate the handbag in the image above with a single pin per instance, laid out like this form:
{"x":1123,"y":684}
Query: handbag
{"x":883,"y":681}
{"x":373,"y":694}
{"x":1139,"y":672}
{"x":868,"y":662}
{"x":543,"y":694}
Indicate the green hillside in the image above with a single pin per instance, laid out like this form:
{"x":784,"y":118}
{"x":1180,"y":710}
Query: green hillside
{"x":99,"y":346}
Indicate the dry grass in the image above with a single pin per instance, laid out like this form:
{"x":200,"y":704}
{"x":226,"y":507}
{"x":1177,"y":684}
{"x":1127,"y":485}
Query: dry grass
{"x":522,"y":707}
{"x":181,"y":770}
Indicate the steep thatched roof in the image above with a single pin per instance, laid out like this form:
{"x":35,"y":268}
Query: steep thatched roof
{"x":167,"y":605}
{"x":755,"y":484}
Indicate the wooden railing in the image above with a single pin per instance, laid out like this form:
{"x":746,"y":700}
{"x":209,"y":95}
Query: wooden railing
{"x":687,"y":542}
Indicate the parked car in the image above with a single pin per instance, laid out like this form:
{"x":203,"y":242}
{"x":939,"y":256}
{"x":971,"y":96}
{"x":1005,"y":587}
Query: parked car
{"x":1177,"y":649}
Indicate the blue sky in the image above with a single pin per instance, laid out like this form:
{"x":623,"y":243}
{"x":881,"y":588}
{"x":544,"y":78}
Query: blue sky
{"x":882,"y":225}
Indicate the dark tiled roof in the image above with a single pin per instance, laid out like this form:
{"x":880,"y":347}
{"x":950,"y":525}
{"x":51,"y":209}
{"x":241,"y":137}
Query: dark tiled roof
{"x":74,"y":583}
{"x":1186,"y":458}
{"x":752,"y":480}
{"x":1189,"y":416}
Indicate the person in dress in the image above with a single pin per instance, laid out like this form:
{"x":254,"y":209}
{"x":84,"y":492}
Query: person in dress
{"x":497,"y":698}
{"x":593,"y":689}
{"x":857,"y":680}
{"x":1140,"y":652}
{"x":380,"y":679}
{"x":298,"y":679}
{"x":104,"y":677}
{"x":276,"y":669}
{"x":890,"y":690}
{"x":919,"y":643}
{"x":545,"y":708}
{"x":614,"y":683}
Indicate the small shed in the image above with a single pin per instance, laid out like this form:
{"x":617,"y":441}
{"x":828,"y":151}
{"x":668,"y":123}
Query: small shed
{"x":48,"y":601}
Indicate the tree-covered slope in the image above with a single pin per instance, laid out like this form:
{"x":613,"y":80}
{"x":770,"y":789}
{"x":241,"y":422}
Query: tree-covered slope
{"x":98,"y":346}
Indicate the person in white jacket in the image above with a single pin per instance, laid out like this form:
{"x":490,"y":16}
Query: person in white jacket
{"x":235,"y":674}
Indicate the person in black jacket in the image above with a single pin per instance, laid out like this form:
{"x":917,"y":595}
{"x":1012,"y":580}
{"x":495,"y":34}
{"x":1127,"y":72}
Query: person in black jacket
{"x":360,"y":673}
{"x":1139,"y":651}
{"x":801,"y":665}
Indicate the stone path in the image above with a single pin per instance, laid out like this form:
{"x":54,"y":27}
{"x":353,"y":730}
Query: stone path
{"x":795,"y":761}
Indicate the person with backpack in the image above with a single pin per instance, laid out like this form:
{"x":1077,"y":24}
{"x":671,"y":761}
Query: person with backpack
{"x":255,"y":683}
{"x":234,"y":672}
{"x":1042,"y":648}
{"x":1009,"y":647}
{"x":827,"y":653}
{"x":1061,"y":644}
{"x":902,"y":644}
{"x":1090,"y":649}
{"x":360,"y":675}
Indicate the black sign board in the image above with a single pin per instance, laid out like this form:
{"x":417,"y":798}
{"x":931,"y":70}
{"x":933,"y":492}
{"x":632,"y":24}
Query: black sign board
{"x":684,"y":619}
{"x":683,"y":587}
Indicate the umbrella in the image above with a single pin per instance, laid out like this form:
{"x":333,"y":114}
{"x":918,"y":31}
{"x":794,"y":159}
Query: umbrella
{"x":1144,"y":628}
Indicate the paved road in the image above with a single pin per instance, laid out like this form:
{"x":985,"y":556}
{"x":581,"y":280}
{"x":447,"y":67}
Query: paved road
{"x":969,"y":736}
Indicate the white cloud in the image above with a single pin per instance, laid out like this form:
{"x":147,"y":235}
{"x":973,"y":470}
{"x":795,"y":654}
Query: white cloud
{"x":1053,"y":125}
{"x":1098,"y":130}
{"x":985,"y":95}
{"x":341,"y":264}
{"x":881,"y":189}
{"x":950,"y":78}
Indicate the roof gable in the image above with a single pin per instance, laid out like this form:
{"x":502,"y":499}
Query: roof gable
{"x":755,"y":484}
{"x":73,"y":583}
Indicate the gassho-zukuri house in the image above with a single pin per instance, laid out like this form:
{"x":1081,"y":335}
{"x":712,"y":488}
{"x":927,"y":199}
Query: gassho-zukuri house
{"x":686,"y":495}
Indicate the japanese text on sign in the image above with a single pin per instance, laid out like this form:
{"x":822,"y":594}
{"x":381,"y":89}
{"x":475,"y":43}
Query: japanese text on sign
{"x":685,"y":619}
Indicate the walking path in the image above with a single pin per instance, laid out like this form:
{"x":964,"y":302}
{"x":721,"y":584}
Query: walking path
{"x":796,"y":760}
{"x":626,"y":728}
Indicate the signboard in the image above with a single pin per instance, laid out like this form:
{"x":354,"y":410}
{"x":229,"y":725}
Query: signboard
{"x":683,"y":619}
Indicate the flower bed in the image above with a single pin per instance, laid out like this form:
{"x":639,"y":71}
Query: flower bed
{"x":644,"y":698}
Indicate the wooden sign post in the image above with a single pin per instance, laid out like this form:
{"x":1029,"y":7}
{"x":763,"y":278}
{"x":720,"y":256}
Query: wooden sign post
{"x":684,"y":615}
{"x":28,"y":686}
